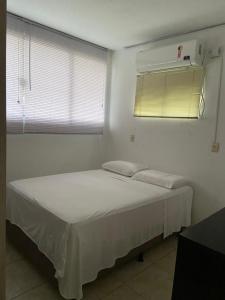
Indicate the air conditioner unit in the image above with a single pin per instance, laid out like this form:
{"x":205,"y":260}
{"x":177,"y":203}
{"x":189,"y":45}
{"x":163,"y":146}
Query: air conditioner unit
{"x":171,"y":56}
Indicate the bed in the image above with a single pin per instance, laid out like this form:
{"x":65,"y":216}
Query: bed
{"x":83,"y":221}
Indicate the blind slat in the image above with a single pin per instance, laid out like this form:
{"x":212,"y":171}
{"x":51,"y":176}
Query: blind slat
{"x":169,"y":94}
{"x":54,"y":84}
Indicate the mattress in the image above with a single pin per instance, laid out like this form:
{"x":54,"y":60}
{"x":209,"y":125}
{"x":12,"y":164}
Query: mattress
{"x":84,"y":221}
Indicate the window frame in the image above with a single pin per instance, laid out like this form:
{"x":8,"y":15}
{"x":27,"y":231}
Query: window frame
{"x":201,"y":102}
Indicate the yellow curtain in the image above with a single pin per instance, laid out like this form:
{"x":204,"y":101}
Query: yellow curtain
{"x":170,"y":93}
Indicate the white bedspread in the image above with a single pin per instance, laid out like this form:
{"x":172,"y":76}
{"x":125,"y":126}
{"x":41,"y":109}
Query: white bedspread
{"x":84,"y":221}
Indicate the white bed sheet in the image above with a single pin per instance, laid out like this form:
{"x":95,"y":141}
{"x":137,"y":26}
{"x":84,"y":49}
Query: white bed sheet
{"x":84,"y":221}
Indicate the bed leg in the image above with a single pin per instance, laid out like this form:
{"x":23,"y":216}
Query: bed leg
{"x":140,"y":257}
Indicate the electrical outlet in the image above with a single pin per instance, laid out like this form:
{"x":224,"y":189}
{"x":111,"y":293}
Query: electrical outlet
{"x":215,"y":147}
{"x":132,"y":138}
{"x":215,"y":52}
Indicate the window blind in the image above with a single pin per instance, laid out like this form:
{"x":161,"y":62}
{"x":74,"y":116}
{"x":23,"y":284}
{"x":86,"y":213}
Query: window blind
{"x":15,"y":76}
{"x":55,"y":84}
{"x":169,"y":93}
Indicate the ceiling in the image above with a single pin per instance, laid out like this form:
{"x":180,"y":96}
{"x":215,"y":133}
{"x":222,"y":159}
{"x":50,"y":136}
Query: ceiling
{"x":120,"y":23}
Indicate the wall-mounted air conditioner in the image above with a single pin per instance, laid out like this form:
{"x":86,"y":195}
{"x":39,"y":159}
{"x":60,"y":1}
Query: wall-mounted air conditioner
{"x":170,"y":56}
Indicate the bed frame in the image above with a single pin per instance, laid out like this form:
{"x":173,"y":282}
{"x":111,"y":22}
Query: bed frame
{"x":29,"y":250}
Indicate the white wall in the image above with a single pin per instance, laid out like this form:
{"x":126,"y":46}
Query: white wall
{"x":179,"y":146}
{"x":38,"y":154}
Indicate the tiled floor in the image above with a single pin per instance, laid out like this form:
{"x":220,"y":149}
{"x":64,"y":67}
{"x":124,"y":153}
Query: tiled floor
{"x":150,"y":280}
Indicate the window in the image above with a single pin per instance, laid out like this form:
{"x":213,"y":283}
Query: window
{"x":55,"y":84}
{"x":174,"y":93}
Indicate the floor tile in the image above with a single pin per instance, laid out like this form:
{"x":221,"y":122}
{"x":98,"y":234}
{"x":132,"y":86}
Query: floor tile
{"x":21,"y":277}
{"x":43,"y":292}
{"x":91,"y":296}
{"x":48,"y":292}
{"x":154,"y":254}
{"x":124,"y":293}
{"x":167,"y":264}
{"x":129,"y":270}
{"x":12,"y":254}
{"x":159,"y":251}
{"x":153,"y":284}
{"x":160,"y":292}
{"x":103,"y":286}
{"x":90,"y":292}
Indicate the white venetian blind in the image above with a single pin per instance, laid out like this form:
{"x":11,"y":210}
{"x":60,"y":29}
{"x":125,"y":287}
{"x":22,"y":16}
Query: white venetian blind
{"x":63,"y":84}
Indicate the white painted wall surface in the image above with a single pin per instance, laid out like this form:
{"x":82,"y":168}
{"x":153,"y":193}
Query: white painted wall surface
{"x":177,"y":146}
{"x":42,"y":154}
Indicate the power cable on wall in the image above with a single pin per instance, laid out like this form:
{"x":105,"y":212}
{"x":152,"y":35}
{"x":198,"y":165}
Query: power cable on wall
{"x":217,"y":53}
{"x":215,"y":138}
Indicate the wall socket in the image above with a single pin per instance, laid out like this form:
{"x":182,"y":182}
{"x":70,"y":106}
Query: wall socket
{"x":215,"y":147}
{"x":215,"y":52}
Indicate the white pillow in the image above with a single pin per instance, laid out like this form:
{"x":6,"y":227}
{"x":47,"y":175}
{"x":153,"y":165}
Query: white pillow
{"x":166,"y":180}
{"x":125,"y":168}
